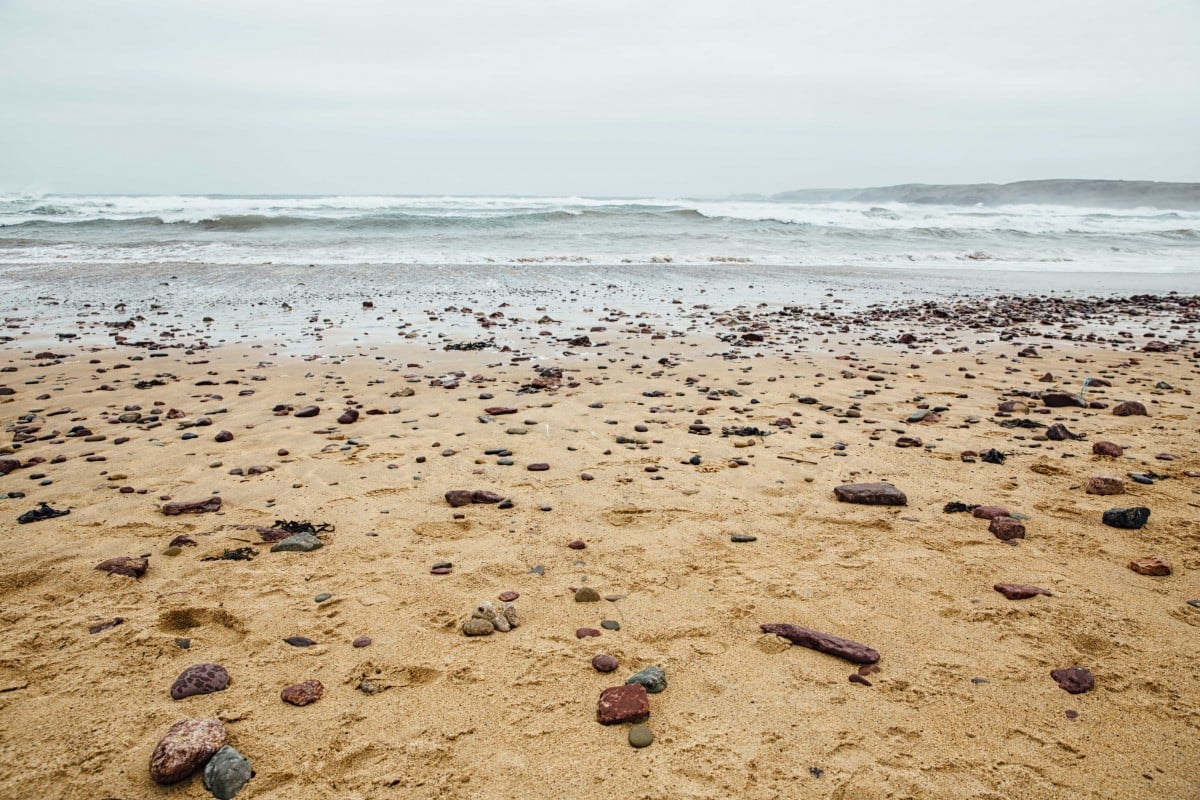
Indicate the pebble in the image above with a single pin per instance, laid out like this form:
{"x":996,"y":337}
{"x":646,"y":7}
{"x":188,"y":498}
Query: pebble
{"x":226,"y":773}
{"x":508,"y":597}
{"x":587,"y":594}
{"x":577,"y":545}
{"x":610,"y":625}
{"x":653,"y":678}
{"x":478,"y":627}
{"x":300,"y":641}
{"x":1105,"y":484}
{"x":322,"y":597}
{"x":1155,"y":566}
{"x":583,"y":633}
{"x":602,"y":662}
{"x":298,"y":543}
{"x":362,"y":641}
{"x":743,"y":537}
{"x":872,"y":494}
{"x":200,"y":679}
{"x":1075,"y":680}
{"x":641,"y":736}
{"x":1006,"y":528}
{"x":303,"y":693}
{"x":186,"y":745}
{"x":1126,"y":518}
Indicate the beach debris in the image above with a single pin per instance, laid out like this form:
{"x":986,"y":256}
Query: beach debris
{"x":185,"y":747}
{"x":872,"y":494}
{"x":628,"y":703}
{"x":303,"y":693}
{"x":1127,"y":518}
{"x":236,"y":554}
{"x":129,"y":566}
{"x":200,"y":679}
{"x":502,"y":618}
{"x":43,"y":511}
{"x":192,"y":507}
{"x":824,"y":642}
{"x":1075,"y":680}
{"x":227,"y":772}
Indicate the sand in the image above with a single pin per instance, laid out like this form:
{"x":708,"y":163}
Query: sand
{"x":963,"y":705}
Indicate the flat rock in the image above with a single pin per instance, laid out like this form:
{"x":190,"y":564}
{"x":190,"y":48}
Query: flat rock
{"x":1019,"y":591}
{"x":1155,"y":566}
{"x":653,"y":678}
{"x":1127,"y":518}
{"x":1075,"y":680}
{"x":496,"y":411}
{"x":298,"y":543}
{"x":200,"y":679}
{"x":192,"y":507}
{"x":871,"y":494}
{"x":307,"y":411}
{"x":628,"y":703}
{"x":1007,"y":528}
{"x":989,"y":512}
{"x":1060,"y":400}
{"x":1109,"y":449}
{"x":129,"y":566}
{"x":227,"y":772}
{"x":303,"y":693}
{"x":186,"y":745}
{"x":824,"y":642}
{"x":1105,"y":484}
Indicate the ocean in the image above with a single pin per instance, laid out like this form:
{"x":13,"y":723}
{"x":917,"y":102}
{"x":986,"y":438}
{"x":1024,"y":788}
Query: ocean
{"x":91,"y":231}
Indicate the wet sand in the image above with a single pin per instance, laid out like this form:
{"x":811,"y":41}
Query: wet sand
{"x":962,"y":705}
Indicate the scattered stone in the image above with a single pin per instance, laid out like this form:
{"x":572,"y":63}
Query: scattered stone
{"x":583,"y":633}
{"x":653,"y":678}
{"x":1075,"y":680}
{"x":348,"y":416}
{"x":1059,"y":433}
{"x":641,"y":736}
{"x":298,"y":543}
{"x":628,"y":703}
{"x":872,"y":494}
{"x":743,"y":537}
{"x":129,"y":566}
{"x":307,"y":411}
{"x":602,"y":662}
{"x":1155,"y":566}
{"x":300,"y":641}
{"x":989,"y":512}
{"x":1107,"y":449}
{"x":1105,"y":484}
{"x":538,"y":467}
{"x":303,"y":693}
{"x":43,"y":511}
{"x":361,"y":641}
{"x":1060,"y":400}
{"x":478,"y":627}
{"x":103,"y":626}
{"x":1130,"y":408}
{"x":508,"y":597}
{"x":586,"y":594}
{"x":823,"y":642}
{"x":223,"y":436}
{"x":1127,"y":518}
{"x":200,"y":679}
{"x":1006,"y":528}
{"x":1019,"y":591}
{"x":186,"y":745}
{"x":226,"y":773}
{"x":193,"y":507}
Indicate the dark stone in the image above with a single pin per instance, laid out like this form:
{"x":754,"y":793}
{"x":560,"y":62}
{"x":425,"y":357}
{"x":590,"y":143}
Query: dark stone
{"x":583,"y":633}
{"x":653,"y":678}
{"x":1130,"y":408}
{"x":300,"y":641}
{"x":192,"y":507}
{"x":602,"y":662}
{"x":743,"y":537}
{"x":1006,"y":528}
{"x":103,"y":626}
{"x":483,"y":496}
{"x":129,"y":566}
{"x":1060,"y":400}
{"x":578,"y":544}
{"x":1018,"y":591}
{"x":628,"y":703}
{"x":872,"y":494}
{"x":1059,"y":433}
{"x":458,"y":497}
{"x":186,"y":745}
{"x":226,"y":773}
{"x":200,"y":679}
{"x":38,"y":514}
{"x":8,"y":465}
{"x":824,"y":642}
{"x":538,"y":467}
{"x":348,"y":416}
{"x":1074,"y":679}
{"x":496,"y":411}
{"x":1127,"y":518}
{"x":301,"y":694}
{"x":223,"y":436}
{"x":307,"y":411}
{"x":991,"y":456}
{"x":362,"y":641}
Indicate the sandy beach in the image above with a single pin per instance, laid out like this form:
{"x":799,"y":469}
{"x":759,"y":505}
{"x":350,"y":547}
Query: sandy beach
{"x":656,"y":438}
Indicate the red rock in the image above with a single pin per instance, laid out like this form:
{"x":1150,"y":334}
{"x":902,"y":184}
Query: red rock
{"x":8,"y":465}
{"x":223,"y":436}
{"x":508,"y":597}
{"x":1155,"y":566}
{"x":872,"y":494}
{"x":361,"y":641}
{"x":1105,"y":484}
{"x":583,"y":633}
{"x":200,"y":679}
{"x":301,"y":694}
{"x":1074,"y":679}
{"x":185,"y":747}
{"x":1130,"y":408}
{"x":485,"y":497}
{"x":627,"y":703}
{"x":823,"y":642}
{"x":989,"y":512}
{"x":128,"y":566}
{"x":1107,"y":449}
{"x":458,"y":497}
{"x":496,"y":411}
{"x":578,"y":544}
{"x":1006,"y":528}
{"x":192,"y":507}
{"x":1018,"y":591}
{"x":602,"y":662}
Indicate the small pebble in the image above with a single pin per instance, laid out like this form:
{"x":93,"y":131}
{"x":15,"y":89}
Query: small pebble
{"x":640,"y":736}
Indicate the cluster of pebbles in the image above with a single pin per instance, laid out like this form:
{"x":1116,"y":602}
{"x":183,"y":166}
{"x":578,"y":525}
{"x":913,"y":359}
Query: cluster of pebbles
{"x":488,"y":618}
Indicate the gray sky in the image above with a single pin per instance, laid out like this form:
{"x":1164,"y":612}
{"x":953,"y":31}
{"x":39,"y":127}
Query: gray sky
{"x":603,"y":97}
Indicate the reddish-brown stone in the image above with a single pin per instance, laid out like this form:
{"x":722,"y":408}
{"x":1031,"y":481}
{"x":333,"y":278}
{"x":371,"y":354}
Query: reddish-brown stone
{"x":1074,"y":679}
{"x":871,"y":494}
{"x":602,"y":662}
{"x":129,"y":566}
{"x":823,"y":642}
{"x":301,"y":694}
{"x":627,"y":703}
{"x":1155,"y":566}
{"x":989,"y":512}
{"x":496,"y":411}
{"x":1019,"y":591}
{"x":1130,"y":408}
{"x":1105,"y":484}
{"x":184,"y":748}
{"x":1107,"y":449}
{"x":192,"y":507}
{"x":200,"y":679}
{"x":1007,"y":528}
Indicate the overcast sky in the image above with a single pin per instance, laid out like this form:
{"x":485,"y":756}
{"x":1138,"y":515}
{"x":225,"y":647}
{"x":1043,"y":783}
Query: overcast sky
{"x":598,"y":97}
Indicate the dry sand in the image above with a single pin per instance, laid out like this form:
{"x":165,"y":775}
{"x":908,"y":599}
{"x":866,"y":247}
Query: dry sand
{"x":963,"y":705}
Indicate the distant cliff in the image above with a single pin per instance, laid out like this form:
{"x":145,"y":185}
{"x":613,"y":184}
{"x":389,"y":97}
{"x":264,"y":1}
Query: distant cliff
{"x":1104,"y":194}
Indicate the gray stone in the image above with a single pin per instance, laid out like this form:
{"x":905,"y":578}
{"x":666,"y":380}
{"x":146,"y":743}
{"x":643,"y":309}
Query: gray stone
{"x":299,"y":543}
{"x":478,"y":627}
{"x":227,"y":772}
{"x":641,"y":736}
{"x":653,"y":678}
